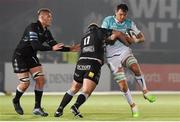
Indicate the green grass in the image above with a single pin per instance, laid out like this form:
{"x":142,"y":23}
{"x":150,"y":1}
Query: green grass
{"x":96,"y":108}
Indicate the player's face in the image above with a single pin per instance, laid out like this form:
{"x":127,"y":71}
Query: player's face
{"x":46,"y":19}
{"x":120,"y":15}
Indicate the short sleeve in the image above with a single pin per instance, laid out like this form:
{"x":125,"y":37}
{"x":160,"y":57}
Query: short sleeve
{"x":105,"y":23}
{"x":134,"y":27}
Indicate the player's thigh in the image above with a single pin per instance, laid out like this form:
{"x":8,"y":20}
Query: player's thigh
{"x":132,"y":63}
{"x":114,"y":63}
{"x":35,"y":69}
{"x":24,"y":80}
{"x":37,"y":73}
{"x":75,"y":86}
{"x":128,"y":60}
{"x":22,"y":75}
{"x":88,"y":86}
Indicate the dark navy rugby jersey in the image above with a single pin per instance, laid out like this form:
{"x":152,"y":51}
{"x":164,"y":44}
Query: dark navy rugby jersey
{"x":33,"y":38}
{"x":92,"y":44}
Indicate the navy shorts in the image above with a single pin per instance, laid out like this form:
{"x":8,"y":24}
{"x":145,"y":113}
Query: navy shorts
{"x":86,"y":68}
{"x":24,"y":63}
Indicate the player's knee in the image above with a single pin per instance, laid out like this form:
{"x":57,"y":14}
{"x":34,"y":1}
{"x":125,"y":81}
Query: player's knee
{"x":38,"y":75}
{"x":75,"y":88}
{"x":25,"y":80}
{"x":86,"y":92}
{"x":24,"y":83}
{"x":131,"y":60}
{"x":119,"y":76}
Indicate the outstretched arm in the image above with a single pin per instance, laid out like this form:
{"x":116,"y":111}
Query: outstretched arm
{"x":72,"y":48}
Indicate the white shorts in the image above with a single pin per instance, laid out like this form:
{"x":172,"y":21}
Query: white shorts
{"x":118,"y":59}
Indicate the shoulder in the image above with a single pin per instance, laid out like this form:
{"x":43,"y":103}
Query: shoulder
{"x":108,"y":18}
{"x":107,"y":21}
{"x":128,"y":21}
{"x":32,"y":26}
{"x":106,"y":31}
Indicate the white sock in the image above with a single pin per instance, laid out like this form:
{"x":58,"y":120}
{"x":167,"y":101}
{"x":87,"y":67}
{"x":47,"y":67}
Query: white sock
{"x":70,"y":92}
{"x":86,"y":95}
{"x":128,"y":97}
{"x":141,"y":81}
{"x":20,"y":90}
{"x":134,"y":109}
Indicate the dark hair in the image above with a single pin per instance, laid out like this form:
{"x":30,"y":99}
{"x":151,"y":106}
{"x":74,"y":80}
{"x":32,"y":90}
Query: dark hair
{"x":93,"y":26}
{"x":123,"y":7}
{"x":43,"y":10}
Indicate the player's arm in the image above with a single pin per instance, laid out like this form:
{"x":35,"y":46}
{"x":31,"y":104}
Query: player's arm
{"x":117,"y":35}
{"x":113,"y":35}
{"x":32,"y":34}
{"x":60,"y":46}
{"x":139,"y":36}
{"x":105,"y":23}
{"x":72,"y":48}
{"x":135,"y":38}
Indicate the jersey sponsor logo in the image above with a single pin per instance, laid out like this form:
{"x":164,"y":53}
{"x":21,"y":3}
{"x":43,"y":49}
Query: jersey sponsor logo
{"x":91,"y":74}
{"x":88,"y":49}
{"x":83,"y":67}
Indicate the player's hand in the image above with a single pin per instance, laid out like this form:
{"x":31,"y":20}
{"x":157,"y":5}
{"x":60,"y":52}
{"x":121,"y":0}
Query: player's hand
{"x":138,"y":38}
{"x":113,"y":37}
{"x":58,"y":46}
{"x":135,"y":39}
{"x":75,"y":48}
{"x":131,"y":39}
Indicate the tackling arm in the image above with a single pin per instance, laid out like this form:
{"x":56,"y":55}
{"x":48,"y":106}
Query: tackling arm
{"x":122,"y":37}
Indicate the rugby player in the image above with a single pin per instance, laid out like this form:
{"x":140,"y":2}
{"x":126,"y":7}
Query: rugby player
{"x":88,"y":67}
{"x":120,"y":55}
{"x":25,"y":61}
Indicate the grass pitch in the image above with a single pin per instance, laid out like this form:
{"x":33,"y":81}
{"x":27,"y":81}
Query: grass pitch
{"x":96,"y":108}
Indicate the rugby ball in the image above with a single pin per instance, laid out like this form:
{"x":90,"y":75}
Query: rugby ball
{"x":130,"y":32}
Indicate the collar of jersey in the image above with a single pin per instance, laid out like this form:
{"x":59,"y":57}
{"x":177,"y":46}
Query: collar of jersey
{"x":40,"y":26}
{"x":118,"y":21}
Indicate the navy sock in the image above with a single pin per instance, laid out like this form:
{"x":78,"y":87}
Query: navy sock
{"x":17,"y":96}
{"x":38,"y":97}
{"x":66,"y":99}
{"x":80,"y":100}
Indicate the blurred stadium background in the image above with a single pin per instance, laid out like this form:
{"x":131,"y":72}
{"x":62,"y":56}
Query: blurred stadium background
{"x":158,"y":56}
